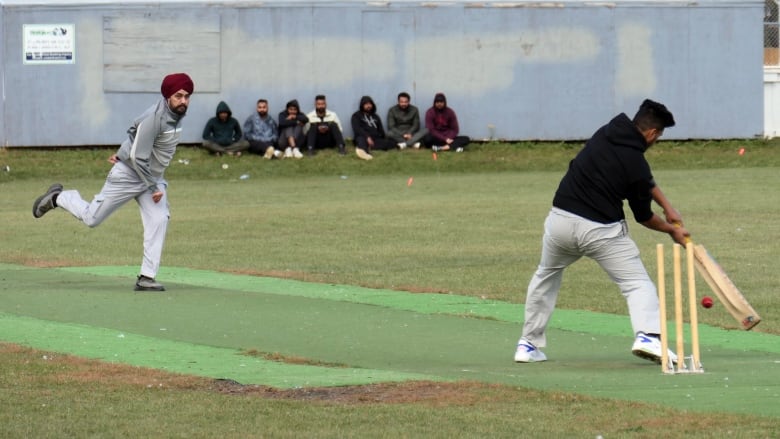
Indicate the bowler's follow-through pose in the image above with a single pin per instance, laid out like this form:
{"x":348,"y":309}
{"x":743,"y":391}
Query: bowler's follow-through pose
{"x":137,"y":173}
{"x":587,"y":219}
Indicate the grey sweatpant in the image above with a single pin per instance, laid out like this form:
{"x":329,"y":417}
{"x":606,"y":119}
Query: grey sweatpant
{"x":416,"y":137}
{"x":568,"y":237}
{"x":122,"y":185}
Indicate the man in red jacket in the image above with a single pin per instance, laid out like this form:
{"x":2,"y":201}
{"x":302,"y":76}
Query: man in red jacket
{"x":442,"y":124}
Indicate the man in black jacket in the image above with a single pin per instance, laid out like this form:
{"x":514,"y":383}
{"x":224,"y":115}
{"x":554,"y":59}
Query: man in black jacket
{"x":368,"y":130}
{"x":587,"y":219}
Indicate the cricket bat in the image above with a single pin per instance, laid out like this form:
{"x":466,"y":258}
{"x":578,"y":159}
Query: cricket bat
{"x":720,"y":284}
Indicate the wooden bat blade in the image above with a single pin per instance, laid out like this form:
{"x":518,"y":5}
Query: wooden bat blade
{"x":720,"y":284}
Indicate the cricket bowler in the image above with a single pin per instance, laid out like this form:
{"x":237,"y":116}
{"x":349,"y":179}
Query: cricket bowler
{"x":137,"y":174}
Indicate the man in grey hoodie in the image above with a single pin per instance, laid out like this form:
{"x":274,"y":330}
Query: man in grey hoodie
{"x":137,"y":174}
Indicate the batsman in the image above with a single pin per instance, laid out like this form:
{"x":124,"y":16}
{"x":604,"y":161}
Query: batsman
{"x":587,"y":219}
{"x":137,"y":174}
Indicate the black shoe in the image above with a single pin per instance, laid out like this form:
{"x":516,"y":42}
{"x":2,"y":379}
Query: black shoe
{"x":311,"y":152}
{"x":46,"y":202}
{"x":342,"y":150}
{"x":145,"y":283}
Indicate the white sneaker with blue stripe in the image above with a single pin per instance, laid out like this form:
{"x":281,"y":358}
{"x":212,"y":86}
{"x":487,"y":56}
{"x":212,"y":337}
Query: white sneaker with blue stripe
{"x":528,"y":353}
{"x":649,"y":347}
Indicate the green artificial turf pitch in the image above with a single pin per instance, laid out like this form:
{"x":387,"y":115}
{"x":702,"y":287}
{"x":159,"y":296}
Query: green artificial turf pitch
{"x":207,"y":322}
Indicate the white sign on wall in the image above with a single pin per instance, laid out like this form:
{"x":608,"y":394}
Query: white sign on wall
{"x":49,"y":43}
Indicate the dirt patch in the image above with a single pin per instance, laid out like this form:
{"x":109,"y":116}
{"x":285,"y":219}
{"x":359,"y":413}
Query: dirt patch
{"x":62,"y":368}
{"x":425,"y":392}
{"x":59,"y":368}
{"x":275,"y":356}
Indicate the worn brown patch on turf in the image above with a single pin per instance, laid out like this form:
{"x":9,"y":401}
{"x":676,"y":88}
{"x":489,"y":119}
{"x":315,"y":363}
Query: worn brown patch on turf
{"x":289,"y":359}
{"x":425,"y":392}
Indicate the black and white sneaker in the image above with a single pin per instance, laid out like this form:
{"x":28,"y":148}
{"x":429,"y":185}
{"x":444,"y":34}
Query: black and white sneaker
{"x":145,"y":283}
{"x":45,"y":202}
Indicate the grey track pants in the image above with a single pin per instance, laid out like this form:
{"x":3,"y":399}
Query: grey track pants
{"x":416,"y":137}
{"x":122,"y":185}
{"x":568,"y":237}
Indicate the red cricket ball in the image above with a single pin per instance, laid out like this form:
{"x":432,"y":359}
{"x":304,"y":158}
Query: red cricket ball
{"x":706,"y":302}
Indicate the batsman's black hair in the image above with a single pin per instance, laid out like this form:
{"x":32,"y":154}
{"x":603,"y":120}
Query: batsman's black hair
{"x":653,"y":114}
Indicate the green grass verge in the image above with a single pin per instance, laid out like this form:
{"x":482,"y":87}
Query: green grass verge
{"x":470,"y":223}
{"x":50,"y":395}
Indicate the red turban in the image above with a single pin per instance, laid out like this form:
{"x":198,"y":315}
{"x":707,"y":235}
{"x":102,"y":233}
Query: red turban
{"x":175,"y":82}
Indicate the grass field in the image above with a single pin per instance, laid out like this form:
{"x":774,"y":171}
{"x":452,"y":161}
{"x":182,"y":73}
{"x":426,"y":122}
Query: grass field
{"x":469,"y":224}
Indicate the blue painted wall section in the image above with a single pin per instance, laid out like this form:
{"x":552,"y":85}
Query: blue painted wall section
{"x":517,"y":71}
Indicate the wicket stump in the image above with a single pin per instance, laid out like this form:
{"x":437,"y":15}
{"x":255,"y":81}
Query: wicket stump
{"x":691,"y":364}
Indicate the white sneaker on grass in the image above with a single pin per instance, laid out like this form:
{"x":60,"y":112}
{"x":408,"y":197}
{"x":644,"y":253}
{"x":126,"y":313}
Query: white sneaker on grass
{"x":528,"y":353}
{"x":649,"y":347}
{"x":297,"y":153}
{"x":288,"y":153}
{"x":363,"y":154}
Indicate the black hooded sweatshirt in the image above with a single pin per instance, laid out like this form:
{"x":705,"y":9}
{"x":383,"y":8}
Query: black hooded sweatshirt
{"x":367,"y":124}
{"x":300,"y":118}
{"x":609,"y":169}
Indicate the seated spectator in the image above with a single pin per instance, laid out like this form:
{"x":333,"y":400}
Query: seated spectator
{"x":222,"y":133}
{"x":442,"y":124}
{"x":368,"y":130}
{"x":261,"y":131}
{"x":291,"y":122}
{"x":403,"y":123}
{"x":324,"y":128}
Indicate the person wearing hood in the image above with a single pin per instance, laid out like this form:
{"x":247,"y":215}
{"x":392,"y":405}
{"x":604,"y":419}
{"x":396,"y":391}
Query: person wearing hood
{"x":222,"y":133}
{"x":368,"y":130}
{"x":137,"y":173}
{"x":261,"y":131}
{"x":443,"y":129}
{"x":587,"y":219}
{"x":291,"y":122}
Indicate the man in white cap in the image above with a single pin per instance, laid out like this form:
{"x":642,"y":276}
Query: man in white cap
{"x":138,"y":173}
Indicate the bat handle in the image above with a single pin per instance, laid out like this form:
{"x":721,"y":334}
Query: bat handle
{"x":687,"y":238}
